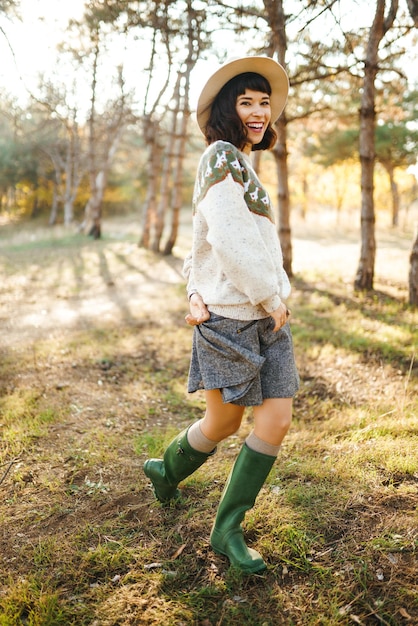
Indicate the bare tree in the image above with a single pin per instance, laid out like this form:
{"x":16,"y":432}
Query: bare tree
{"x":105,"y":126}
{"x":168,"y":194}
{"x":149,"y":208}
{"x":105,"y":131}
{"x":381,"y":24}
{"x":166,"y":168}
{"x":62,"y":141}
{"x":277,"y":22}
{"x":178,"y":160}
{"x":151,"y":122}
{"x":195,"y":44}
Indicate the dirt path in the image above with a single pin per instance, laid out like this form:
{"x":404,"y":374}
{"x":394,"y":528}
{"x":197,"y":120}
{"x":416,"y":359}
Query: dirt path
{"x":114,"y":281}
{"x":103,"y":284}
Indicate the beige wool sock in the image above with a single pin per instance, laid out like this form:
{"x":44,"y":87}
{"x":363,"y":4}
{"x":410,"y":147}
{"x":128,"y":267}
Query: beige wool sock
{"x":258,"y":445}
{"x":197,"y":439}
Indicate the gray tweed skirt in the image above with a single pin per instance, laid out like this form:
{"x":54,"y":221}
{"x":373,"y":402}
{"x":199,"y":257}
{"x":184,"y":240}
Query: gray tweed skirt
{"x":246,"y":360}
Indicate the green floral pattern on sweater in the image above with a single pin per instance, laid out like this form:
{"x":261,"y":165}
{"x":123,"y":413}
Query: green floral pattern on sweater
{"x":224,"y":160}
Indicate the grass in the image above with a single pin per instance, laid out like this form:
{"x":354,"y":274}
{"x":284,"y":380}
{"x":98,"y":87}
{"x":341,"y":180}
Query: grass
{"x":83,"y":541}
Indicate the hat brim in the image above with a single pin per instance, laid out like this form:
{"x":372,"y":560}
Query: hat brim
{"x":266,"y":66}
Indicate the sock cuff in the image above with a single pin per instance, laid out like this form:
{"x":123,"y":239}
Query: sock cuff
{"x":198,"y":441}
{"x":258,"y":445}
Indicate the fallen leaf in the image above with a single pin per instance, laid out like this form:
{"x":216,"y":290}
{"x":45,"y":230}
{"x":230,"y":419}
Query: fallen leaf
{"x":153,"y":565}
{"x":404,"y":613}
{"x":178,"y":552}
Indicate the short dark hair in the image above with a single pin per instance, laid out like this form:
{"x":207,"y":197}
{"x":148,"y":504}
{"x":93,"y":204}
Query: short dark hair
{"x":224,"y":122}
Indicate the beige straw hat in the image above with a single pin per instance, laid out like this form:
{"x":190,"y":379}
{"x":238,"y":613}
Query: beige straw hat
{"x":266,"y":66}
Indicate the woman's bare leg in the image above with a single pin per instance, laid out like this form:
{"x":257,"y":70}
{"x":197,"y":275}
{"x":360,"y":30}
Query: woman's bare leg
{"x":221,"y":419}
{"x":272,"y":420}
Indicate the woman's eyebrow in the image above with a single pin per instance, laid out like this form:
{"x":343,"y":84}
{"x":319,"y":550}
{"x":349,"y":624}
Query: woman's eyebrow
{"x":247,"y":97}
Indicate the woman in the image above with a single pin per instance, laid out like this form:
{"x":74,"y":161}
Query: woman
{"x":242,"y":351}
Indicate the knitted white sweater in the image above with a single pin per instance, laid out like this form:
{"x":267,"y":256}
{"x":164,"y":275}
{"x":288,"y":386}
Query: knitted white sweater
{"x":236,"y":262}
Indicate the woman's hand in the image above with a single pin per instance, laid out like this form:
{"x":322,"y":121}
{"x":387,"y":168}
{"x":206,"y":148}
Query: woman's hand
{"x":280,"y":316}
{"x":198,"y":311}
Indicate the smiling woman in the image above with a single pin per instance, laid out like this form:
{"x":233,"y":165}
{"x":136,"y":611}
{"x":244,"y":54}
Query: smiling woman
{"x":243,"y":99}
{"x":254,"y":111}
{"x":242,"y":353}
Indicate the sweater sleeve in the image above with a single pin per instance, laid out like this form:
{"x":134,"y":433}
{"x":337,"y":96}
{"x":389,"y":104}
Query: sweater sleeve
{"x":188,"y":275}
{"x":234,"y":236}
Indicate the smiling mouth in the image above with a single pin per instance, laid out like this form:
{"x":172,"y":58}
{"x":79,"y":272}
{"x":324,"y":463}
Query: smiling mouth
{"x":255,"y":126}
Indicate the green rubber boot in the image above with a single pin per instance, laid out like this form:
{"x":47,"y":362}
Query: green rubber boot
{"x":179,"y":461}
{"x":243,"y":485}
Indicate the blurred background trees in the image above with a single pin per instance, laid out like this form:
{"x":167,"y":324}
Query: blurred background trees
{"x":110,"y":130}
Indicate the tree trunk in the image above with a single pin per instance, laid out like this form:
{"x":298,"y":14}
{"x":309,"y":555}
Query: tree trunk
{"x":277,"y":23}
{"x":365,"y":270}
{"x":178,"y":172}
{"x":67,"y":162}
{"x":68,"y":211}
{"x":176,"y":206}
{"x":177,"y":193}
{"x":413,"y":274}
{"x":395,"y":197}
{"x":97,"y":204}
{"x":166,"y":172}
{"x":280,"y":153}
{"x":150,"y":205}
{"x":93,"y":207}
{"x":69,"y":169}
{"x":35,"y":205}
{"x":55,"y":194}
{"x":149,"y":209}
{"x":305,"y":191}
{"x":73,"y":170}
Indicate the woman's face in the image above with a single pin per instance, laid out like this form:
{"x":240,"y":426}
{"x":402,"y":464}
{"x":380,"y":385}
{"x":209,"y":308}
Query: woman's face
{"x":254,"y":111}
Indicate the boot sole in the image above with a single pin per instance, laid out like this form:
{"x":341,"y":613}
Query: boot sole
{"x":244,"y":570}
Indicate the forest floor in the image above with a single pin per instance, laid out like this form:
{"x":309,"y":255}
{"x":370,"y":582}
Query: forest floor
{"x":93,"y":365}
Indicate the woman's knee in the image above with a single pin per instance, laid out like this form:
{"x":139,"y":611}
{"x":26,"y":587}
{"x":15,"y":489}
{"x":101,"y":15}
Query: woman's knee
{"x":284,"y":416}
{"x":219,"y":432}
{"x":272,"y":419}
{"x":221,"y":420}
